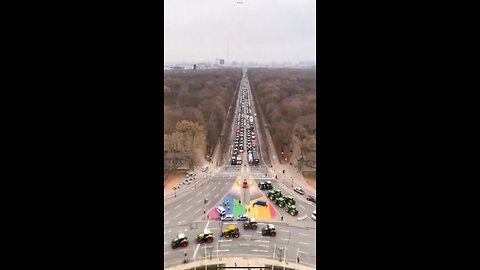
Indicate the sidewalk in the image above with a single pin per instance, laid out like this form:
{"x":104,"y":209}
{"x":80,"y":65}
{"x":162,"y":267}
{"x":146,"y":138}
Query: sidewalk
{"x":241,"y":262}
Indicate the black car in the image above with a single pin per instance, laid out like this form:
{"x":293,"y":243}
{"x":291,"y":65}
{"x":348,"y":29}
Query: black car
{"x":312,"y":199}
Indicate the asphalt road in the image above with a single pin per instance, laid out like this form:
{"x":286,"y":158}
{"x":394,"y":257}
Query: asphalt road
{"x":184,"y":214}
{"x":250,"y":243}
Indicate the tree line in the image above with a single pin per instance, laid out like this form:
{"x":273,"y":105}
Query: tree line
{"x":196,"y":103}
{"x":287,"y":98}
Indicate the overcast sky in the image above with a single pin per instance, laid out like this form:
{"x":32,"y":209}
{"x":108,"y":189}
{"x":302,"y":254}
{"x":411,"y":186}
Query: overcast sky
{"x":256,"y":30}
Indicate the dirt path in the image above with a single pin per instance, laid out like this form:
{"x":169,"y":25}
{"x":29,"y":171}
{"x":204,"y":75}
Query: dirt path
{"x":311,"y":181}
{"x":173,"y":180}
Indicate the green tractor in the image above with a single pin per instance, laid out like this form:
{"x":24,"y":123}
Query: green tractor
{"x":250,"y":224}
{"x":273,"y":194}
{"x":206,"y":236}
{"x":269,"y":231}
{"x":181,"y":240}
{"x":265,"y":185}
{"x":292,"y":210}
{"x":280,"y":202}
{"x":289,"y":200}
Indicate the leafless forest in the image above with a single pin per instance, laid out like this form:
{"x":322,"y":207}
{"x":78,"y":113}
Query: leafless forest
{"x":196,"y":103}
{"x":287,"y":100}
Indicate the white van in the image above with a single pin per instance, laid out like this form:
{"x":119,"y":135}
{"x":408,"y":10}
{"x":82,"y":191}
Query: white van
{"x":314,"y":215}
{"x":220,"y":210}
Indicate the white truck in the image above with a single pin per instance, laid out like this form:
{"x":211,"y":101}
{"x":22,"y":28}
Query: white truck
{"x":250,"y":158}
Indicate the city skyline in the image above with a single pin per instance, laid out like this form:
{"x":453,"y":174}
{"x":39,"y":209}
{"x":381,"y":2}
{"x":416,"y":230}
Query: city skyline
{"x":254,"y":31}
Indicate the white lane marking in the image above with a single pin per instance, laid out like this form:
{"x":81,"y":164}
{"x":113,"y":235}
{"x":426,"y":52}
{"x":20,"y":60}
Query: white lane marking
{"x":284,"y":231}
{"x":189,"y":199}
{"x":189,"y":208}
{"x":197,"y":210}
{"x":216,"y":195}
{"x":198,"y":202}
{"x":177,"y":216}
{"x":169,"y":230}
{"x":303,"y":234}
{"x":230,"y":223}
{"x":213,"y":228}
{"x":214,"y":188}
{"x":302,"y":206}
{"x":284,"y":239}
{"x":244,"y":244}
{"x":261,"y":250}
{"x":263,"y":246}
{"x":258,"y":232}
{"x":195,"y":253}
{"x":206,"y":195}
{"x":224,"y":240}
{"x":259,"y":223}
{"x":304,"y":243}
{"x":302,"y":252}
{"x":199,"y":194}
{"x":225,"y":245}
{"x":263,"y":241}
{"x":221,"y":250}
{"x":165,"y":214}
{"x":177,"y":206}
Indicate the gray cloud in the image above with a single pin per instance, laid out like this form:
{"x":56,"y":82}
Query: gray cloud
{"x":256,"y":30}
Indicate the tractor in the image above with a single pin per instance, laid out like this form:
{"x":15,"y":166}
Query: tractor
{"x":181,"y":240}
{"x":206,"y":236}
{"x":269,"y":185}
{"x":269,"y":231}
{"x":292,"y":210}
{"x":231,"y":231}
{"x":265,"y":185}
{"x":273,"y":194}
{"x":250,"y":224}
{"x":280,"y":202}
{"x":289,"y":200}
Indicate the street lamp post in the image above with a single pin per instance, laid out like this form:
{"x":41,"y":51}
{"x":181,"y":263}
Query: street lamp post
{"x":273,"y":259}
{"x":297,"y":260}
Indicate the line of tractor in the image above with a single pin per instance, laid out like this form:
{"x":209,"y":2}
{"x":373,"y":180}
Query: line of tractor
{"x":207,"y":236}
{"x":280,"y":200}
